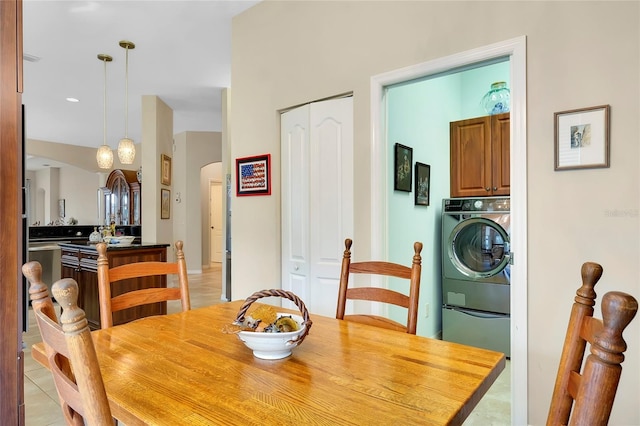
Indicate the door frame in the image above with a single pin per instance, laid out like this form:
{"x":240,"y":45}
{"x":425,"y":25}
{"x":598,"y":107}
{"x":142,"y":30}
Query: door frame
{"x":217,"y":182}
{"x":515,"y":49}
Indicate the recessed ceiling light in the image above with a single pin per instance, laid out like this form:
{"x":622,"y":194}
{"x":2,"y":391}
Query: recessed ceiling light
{"x":73,"y":100}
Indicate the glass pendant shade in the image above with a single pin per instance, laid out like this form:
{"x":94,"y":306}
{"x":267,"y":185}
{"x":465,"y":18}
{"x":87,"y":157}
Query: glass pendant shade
{"x":126,"y":148}
{"x":126,"y":151}
{"x":104,"y":157}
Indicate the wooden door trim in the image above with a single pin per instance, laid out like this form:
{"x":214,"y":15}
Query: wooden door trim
{"x":516,"y":50}
{"x":11,"y":297}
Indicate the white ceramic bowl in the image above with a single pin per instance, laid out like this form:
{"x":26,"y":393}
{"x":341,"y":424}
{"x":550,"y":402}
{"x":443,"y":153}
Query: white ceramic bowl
{"x":123,"y":240}
{"x":273,"y":345}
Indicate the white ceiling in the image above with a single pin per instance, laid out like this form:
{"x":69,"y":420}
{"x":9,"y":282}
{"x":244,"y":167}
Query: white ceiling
{"x":182,"y":54}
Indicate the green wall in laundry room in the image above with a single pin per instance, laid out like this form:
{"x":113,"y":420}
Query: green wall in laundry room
{"x":418,"y":116}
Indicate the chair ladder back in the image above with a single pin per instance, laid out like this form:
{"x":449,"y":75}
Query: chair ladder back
{"x":80,"y":388}
{"x":587,"y":398}
{"x":381,"y":268}
{"x":142,"y":269}
{"x":384,"y":295}
{"x":82,"y":354}
{"x":107,"y":276}
{"x":414,"y":288}
{"x":143,"y":297}
{"x":57,"y":353}
{"x":378,"y":295}
{"x":38,"y":291}
{"x":41,"y":302}
{"x":602,"y":369}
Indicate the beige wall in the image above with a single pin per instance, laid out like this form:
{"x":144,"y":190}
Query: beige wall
{"x":194,"y":150}
{"x":79,"y":189}
{"x":76,"y":186}
{"x":579,"y":54}
{"x":78,"y":156}
{"x":157,"y":139}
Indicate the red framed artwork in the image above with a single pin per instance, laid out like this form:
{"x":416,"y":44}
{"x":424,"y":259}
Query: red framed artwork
{"x":253,"y":175}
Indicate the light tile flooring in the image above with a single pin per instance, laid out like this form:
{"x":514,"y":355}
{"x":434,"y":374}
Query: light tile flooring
{"x":43,"y":409}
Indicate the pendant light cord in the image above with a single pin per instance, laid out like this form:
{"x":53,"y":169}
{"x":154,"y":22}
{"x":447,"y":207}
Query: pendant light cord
{"x":126,"y":94}
{"x":105,"y":101}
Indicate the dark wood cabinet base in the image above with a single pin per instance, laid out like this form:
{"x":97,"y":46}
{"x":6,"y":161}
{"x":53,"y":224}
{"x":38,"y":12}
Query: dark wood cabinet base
{"x":80,"y":263}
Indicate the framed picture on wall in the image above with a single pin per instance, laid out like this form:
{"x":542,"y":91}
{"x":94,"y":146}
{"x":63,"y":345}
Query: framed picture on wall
{"x":403,"y":160}
{"x":582,"y":138}
{"x":165,"y":169}
{"x":423,"y":183}
{"x":165,"y":204}
{"x":253,"y":175}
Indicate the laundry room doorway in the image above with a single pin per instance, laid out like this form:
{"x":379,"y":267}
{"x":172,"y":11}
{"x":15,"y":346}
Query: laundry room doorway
{"x":382,"y":185}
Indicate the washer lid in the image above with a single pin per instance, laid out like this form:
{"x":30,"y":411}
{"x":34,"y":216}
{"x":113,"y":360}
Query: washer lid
{"x":479,"y":247}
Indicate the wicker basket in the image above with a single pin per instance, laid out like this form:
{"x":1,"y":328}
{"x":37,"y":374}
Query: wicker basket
{"x":278,"y":293}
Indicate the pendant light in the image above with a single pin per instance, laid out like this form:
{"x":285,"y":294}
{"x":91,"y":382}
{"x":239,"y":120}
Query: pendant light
{"x":104,"y":156}
{"x":126,"y":148}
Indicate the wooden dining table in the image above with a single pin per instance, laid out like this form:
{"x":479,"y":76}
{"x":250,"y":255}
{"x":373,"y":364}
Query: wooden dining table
{"x":182,"y":369}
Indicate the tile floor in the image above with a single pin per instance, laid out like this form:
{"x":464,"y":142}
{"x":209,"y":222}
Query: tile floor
{"x":43,"y":409}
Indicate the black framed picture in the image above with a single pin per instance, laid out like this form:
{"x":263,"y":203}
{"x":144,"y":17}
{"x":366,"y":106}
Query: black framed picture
{"x":423,"y":183}
{"x":403,"y":161}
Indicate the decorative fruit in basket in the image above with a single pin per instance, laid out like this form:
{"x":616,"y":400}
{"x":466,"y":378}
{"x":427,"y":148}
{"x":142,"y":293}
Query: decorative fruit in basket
{"x":261,"y":317}
{"x":286,"y":324}
{"x":280,"y":331}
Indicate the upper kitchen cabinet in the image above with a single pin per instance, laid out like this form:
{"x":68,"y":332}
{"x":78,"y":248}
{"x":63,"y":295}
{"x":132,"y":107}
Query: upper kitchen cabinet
{"x":122,"y":198}
{"x":480,"y":156}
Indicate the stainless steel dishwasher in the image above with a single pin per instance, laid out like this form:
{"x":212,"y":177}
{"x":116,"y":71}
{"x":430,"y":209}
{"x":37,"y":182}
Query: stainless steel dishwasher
{"x":48,"y":254}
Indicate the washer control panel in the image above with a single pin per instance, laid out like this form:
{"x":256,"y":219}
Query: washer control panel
{"x":486,"y":204}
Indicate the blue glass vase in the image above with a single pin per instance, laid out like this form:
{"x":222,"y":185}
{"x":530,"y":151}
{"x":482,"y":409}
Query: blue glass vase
{"x":496,"y":100}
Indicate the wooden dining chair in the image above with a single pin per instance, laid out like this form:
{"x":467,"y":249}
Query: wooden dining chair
{"x":110,"y":278}
{"x":378,"y":294}
{"x":586,"y":397}
{"x":69,"y":349}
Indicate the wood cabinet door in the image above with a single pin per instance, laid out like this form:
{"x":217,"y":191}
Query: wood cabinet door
{"x":470,"y":157}
{"x":500,"y":154}
{"x":480,"y":151}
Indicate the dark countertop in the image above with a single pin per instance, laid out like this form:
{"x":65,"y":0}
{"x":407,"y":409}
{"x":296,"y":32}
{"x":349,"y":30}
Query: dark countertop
{"x":89,"y":245}
{"x":74,"y":233}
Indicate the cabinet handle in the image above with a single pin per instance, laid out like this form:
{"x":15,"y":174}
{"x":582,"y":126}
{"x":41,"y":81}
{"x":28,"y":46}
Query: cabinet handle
{"x":495,"y":188}
{"x":487,"y":189}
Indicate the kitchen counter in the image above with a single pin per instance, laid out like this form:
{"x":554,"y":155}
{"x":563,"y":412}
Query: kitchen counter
{"x":80,"y":262}
{"x":92,"y":246}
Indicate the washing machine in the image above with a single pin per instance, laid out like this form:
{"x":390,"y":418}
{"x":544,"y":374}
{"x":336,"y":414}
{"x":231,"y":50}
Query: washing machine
{"x":476,"y":284}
